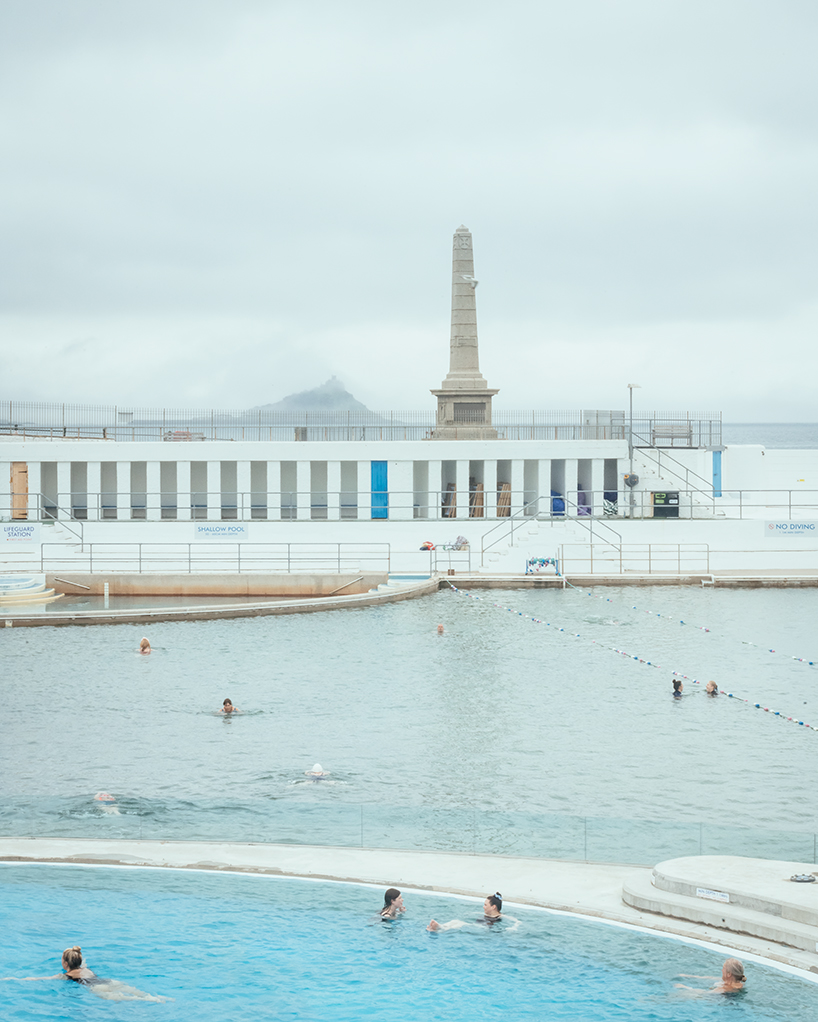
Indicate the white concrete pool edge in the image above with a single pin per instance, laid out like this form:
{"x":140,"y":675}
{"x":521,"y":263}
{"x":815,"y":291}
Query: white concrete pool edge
{"x":589,"y":890}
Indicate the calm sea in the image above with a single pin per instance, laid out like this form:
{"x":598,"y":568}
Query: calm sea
{"x":790,"y":435}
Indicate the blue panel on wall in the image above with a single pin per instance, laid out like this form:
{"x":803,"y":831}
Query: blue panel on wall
{"x":380,"y":494}
{"x":716,"y":473}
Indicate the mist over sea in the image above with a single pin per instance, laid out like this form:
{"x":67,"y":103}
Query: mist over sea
{"x":772,"y":434}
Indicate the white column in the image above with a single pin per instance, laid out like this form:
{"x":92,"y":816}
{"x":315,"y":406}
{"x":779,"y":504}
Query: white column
{"x":490,"y":488}
{"x":303,"y":485}
{"x":597,"y":485}
{"x":244,"y":501}
{"x":35,"y":485}
{"x":273,"y":491}
{"x":183,"y":491}
{"x":544,"y":486}
{"x":461,"y":483}
{"x":64,"y":489}
{"x":214,"y":491}
{"x":153,"y":484}
{"x":123,"y":490}
{"x":434,"y":499}
{"x":364,"y":490}
{"x":93,"y":486}
{"x":517,"y":485}
{"x":400,"y":480}
{"x":5,"y":489}
{"x":333,"y":490}
{"x":571,"y":470}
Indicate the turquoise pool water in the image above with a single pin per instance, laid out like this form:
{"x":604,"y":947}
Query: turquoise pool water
{"x":233,"y":947}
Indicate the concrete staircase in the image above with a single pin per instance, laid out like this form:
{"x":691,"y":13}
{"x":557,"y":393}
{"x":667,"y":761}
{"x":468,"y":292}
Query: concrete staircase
{"x":26,"y":590}
{"x":741,"y":895}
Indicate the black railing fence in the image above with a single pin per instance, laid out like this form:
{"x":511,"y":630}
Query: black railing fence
{"x":115,"y":422}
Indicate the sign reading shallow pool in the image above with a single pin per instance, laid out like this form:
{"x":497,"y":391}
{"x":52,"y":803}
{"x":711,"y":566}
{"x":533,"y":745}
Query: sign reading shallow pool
{"x":221,"y":532}
{"x":775,"y":529}
{"x":19,"y":535}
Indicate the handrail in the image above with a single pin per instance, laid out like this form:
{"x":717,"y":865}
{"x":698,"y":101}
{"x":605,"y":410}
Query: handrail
{"x":508,"y":523}
{"x":45,"y":512}
{"x":688,"y":471}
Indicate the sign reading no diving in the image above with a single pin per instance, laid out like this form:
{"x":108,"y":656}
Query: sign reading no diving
{"x":789,"y":529}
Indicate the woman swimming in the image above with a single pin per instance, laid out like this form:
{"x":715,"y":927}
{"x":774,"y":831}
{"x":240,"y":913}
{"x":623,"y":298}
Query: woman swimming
{"x":392,"y":904}
{"x":228,"y":707}
{"x":732,"y":979}
{"x":678,"y":685}
{"x":492,"y":913}
{"x":75,"y":969}
{"x":144,"y":646}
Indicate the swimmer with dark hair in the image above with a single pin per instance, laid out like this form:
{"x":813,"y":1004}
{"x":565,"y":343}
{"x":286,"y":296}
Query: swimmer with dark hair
{"x":677,"y":688}
{"x":75,"y":969}
{"x":732,"y":980}
{"x":392,"y":904}
{"x":711,"y":688}
{"x":492,"y":913}
{"x":228,"y":707}
{"x":144,"y":646}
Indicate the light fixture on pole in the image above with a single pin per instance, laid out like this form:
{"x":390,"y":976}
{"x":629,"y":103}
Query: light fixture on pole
{"x":631,"y":479}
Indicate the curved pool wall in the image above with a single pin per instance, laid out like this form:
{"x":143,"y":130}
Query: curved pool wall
{"x":318,"y":951}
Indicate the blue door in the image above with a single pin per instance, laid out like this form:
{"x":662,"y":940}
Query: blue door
{"x":716,"y":473}
{"x":380,"y":494}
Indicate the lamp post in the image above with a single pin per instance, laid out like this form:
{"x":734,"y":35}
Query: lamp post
{"x":631,"y":387}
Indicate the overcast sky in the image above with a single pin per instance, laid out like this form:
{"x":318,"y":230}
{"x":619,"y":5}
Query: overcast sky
{"x":219,"y":202}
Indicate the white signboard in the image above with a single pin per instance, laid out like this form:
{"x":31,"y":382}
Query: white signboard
{"x":775,"y":529}
{"x":705,"y":892}
{"x":221,"y":532}
{"x":19,"y":535}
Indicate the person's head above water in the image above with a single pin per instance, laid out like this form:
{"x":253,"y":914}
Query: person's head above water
{"x":711,"y":688}
{"x":493,"y":905}
{"x":732,"y":972}
{"x":72,"y":958}
{"x":677,"y":686}
{"x":144,"y":645}
{"x":227,"y":704}
{"x":391,"y":895}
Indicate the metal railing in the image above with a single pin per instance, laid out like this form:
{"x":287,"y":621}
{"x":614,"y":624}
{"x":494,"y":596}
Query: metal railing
{"x":112,"y":422}
{"x":641,"y":558}
{"x":422,"y":827}
{"x":72,"y":511}
{"x":236,"y":558}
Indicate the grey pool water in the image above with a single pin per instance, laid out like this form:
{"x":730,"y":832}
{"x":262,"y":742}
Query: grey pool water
{"x":500,"y":735}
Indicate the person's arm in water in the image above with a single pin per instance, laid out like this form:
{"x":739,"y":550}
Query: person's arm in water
{"x":30,"y":979}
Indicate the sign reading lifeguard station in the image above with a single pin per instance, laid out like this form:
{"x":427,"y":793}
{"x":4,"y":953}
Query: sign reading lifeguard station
{"x":19,"y":535}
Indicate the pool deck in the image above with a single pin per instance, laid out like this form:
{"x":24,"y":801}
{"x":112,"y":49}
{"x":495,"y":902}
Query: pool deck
{"x":588,"y":889}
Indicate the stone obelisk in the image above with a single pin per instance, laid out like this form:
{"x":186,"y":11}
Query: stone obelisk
{"x":464,"y":398}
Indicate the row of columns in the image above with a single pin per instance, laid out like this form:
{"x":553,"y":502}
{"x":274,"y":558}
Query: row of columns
{"x":404,"y":502}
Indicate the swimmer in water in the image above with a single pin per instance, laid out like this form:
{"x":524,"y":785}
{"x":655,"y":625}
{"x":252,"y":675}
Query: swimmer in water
{"x":677,"y":688}
{"x":492,"y":913}
{"x":144,"y":646}
{"x":711,"y":688}
{"x":732,"y":979}
{"x":392,"y":904}
{"x":107,"y":803}
{"x":440,"y":629}
{"x":75,"y":969}
{"x":228,"y":707}
{"x":317,"y":773}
